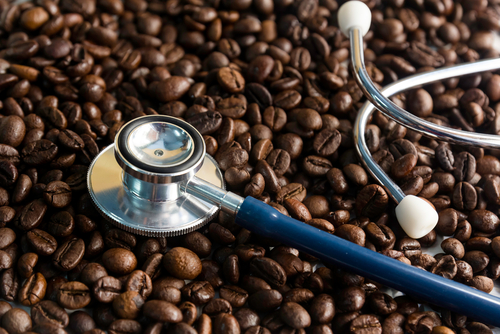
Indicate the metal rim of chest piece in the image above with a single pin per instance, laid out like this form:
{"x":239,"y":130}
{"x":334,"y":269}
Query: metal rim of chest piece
{"x":138,"y":183}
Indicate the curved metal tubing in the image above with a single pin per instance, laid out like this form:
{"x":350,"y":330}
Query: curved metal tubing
{"x":379,"y":100}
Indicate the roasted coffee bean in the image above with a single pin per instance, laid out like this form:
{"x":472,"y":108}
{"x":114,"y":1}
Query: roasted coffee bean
{"x":371,"y":201}
{"x":33,"y":290}
{"x":366,"y":322}
{"x":31,"y":215}
{"x":69,"y":254}
{"x":39,"y":152}
{"x":269,"y":270}
{"x":73,"y":295}
{"x":16,"y":320}
{"x":294,"y":315}
{"x":316,"y":166}
{"x":128,"y":304}
{"x":116,"y":238}
{"x":61,"y":224}
{"x":265,"y":300}
{"x":355,"y":174}
{"x":26,"y":264}
{"x":198,"y":292}
{"x":182,"y":263}
{"x":91,"y":273}
{"x":158,"y":310}
{"x":41,"y":242}
{"x":106,"y":289}
{"x":49,"y":312}
{"x":465,"y":166}
{"x":81,"y":322}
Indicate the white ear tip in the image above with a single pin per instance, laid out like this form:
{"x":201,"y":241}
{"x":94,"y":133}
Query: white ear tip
{"x":416,"y":216}
{"x":354,"y":14}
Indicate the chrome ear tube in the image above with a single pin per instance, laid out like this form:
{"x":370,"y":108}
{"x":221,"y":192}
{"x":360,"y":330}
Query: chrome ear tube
{"x":415,"y":215}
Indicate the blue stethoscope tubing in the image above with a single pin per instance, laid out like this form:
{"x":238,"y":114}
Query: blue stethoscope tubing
{"x":264,"y":220}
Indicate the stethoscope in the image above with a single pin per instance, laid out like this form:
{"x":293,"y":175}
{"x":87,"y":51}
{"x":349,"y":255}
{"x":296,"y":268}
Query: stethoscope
{"x":157,"y":180}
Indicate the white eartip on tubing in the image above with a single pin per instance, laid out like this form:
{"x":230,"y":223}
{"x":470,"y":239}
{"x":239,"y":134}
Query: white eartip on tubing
{"x":416,"y":216}
{"x":354,"y":14}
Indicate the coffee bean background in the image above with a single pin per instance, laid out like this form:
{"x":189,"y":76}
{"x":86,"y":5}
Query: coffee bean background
{"x":268,"y":85}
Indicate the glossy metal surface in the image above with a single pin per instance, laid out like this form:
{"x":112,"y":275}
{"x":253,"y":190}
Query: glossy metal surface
{"x":142,"y":215}
{"x":160,"y":144}
{"x":228,"y":201}
{"x":379,"y":100}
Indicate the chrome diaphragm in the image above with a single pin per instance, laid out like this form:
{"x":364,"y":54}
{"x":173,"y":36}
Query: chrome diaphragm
{"x":139,"y":182}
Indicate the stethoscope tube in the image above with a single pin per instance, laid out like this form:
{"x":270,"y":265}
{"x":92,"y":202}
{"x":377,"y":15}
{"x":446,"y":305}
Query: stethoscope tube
{"x":266,"y":221}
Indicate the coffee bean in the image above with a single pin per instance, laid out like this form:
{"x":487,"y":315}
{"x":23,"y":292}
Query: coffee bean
{"x":316,"y":166}
{"x":465,"y":166}
{"x":128,"y":304}
{"x":106,"y":289}
{"x":158,"y":310}
{"x":39,"y":152}
{"x":125,"y":326}
{"x":484,"y":220}
{"x":69,"y":254}
{"x":33,"y":290}
{"x":225,"y":323}
{"x":16,"y":320}
{"x":269,"y":270}
{"x":41,"y":242}
{"x":81,"y":322}
{"x":73,"y":295}
{"x":9,"y":284}
{"x":198,"y":292}
{"x":13,"y":130}
{"x":48,"y":311}
{"x":371,"y":201}
{"x":352,"y":233}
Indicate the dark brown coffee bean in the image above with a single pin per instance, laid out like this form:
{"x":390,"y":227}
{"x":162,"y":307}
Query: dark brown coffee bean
{"x":294,"y":315}
{"x":316,"y":166}
{"x":128,"y":304}
{"x":356,"y":174}
{"x":297,"y":210}
{"x":49,"y":312}
{"x":16,"y":320}
{"x":119,"y":261}
{"x":269,"y":270}
{"x":69,"y":254}
{"x":159,"y":310}
{"x":371,"y":201}
{"x":125,"y":326}
{"x":106,"y":289}
{"x":198,"y":292}
{"x":477,"y":259}
{"x":12,"y":129}
{"x":73,"y":295}
{"x":41,"y":242}
{"x":231,"y":80}
{"x":57,"y":194}
{"x":116,"y":238}
{"x":265,"y":300}
{"x":81,"y":322}
{"x":33,"y":290}
{"x":465,"y":167}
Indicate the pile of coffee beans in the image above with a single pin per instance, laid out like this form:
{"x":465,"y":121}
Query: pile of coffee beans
{"x":267,"y":84}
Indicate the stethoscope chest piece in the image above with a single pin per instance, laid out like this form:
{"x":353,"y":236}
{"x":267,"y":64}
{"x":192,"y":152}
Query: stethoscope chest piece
{"x":138,"y":183}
